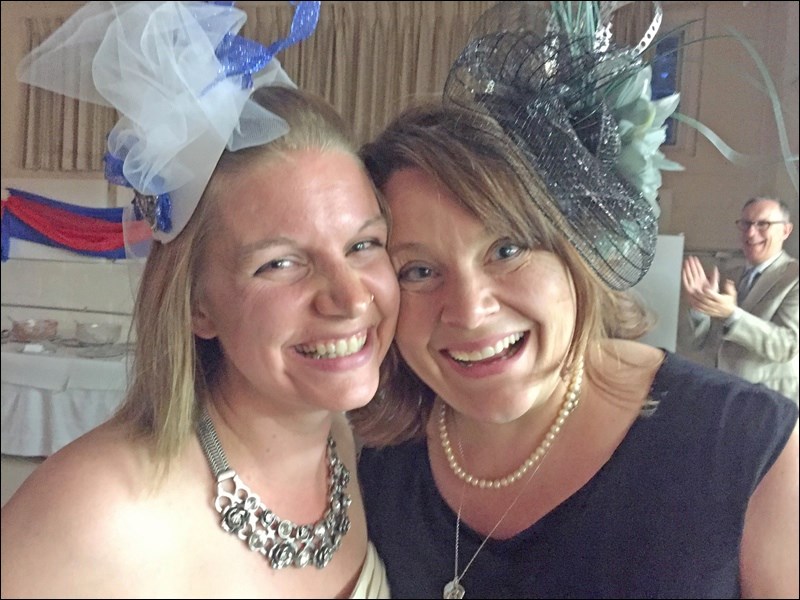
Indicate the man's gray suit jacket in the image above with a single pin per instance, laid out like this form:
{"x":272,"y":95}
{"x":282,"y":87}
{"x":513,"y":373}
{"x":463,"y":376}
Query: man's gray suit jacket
{"x":762,"y":344}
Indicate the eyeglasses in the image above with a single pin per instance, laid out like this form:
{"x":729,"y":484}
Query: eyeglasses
{"x":761,"y":226}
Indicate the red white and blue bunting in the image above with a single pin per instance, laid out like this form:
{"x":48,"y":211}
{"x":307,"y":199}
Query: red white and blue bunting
{"x":93,"y":232}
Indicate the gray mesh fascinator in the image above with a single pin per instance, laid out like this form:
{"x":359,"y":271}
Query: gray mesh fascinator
{"x":579,"y":110}
{"x":181,"y":80}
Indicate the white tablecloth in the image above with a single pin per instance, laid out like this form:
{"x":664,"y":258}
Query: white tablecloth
{"x":48,"y":400}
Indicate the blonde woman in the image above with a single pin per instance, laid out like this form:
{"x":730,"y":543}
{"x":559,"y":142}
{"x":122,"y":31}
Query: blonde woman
{"x":263,"y":314}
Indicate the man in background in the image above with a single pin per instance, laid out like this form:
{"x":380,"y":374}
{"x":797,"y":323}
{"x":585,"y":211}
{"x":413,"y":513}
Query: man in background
{"x":749,"y":323}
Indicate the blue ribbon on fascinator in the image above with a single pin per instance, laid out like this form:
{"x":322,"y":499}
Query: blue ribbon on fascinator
{"x":181,"y":80}
{"x":242,"y":57}
{"x":579,"y":109}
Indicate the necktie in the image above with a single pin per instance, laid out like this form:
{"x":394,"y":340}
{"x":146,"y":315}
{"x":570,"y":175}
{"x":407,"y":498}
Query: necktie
{"x":746,"y":282}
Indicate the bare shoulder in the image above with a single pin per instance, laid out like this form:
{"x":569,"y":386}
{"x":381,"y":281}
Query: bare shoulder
{"x":102,"y":459}
{"x":78,"y":508}
{"x":769,"y":556}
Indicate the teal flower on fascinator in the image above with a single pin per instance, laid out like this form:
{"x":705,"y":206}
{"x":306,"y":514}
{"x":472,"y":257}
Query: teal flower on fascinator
{"x":579,"y":110}
{"x":642,"y":130}
{"x":181,"y":79}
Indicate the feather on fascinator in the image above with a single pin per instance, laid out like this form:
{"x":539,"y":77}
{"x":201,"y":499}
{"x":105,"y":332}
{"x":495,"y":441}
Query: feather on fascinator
{"x":580,"y":111}
{"x":181,"y":80}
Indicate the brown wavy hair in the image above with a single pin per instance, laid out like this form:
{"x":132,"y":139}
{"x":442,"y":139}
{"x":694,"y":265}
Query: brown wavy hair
{"x":488,"y":176}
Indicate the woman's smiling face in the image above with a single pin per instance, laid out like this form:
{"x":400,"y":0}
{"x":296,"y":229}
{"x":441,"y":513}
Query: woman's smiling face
{"x":484,"y":321}
{"x":297,"y":286}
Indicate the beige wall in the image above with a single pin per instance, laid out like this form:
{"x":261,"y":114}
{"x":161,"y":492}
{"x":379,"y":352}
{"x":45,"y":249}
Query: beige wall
{"x":57,"y":284}
{"x":13,"y":471}
{"x":708,"y":195}
{"x":720,"y":88}
{"x":700,"y":203}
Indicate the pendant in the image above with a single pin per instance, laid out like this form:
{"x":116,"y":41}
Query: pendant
{"x":453,"y":589}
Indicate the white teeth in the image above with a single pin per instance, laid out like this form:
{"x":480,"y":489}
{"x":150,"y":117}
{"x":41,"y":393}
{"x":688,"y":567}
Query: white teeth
{"x":488,"y":351}
{"x":335,"y":349}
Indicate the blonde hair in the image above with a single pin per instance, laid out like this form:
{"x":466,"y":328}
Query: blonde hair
{"x":489,"y":177}
{"x":173,"y":369}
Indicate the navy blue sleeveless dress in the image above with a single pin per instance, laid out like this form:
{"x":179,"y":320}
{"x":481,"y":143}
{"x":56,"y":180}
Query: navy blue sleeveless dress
{"x":663,"y":518}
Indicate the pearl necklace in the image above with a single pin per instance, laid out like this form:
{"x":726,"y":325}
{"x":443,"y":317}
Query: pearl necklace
{"x":571,"y":399}
{"x":453,"y":588}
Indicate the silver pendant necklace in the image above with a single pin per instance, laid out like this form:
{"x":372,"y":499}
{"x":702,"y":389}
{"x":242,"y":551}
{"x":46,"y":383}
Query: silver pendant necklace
{"x":454,"y":588}
{"x":280,"y":541}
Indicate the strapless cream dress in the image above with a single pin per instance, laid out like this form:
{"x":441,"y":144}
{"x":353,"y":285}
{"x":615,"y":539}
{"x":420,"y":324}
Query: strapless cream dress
{"x":372,"y":582}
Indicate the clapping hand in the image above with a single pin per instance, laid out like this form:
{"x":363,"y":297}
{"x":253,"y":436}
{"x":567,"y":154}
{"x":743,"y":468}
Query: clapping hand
{"x":703,"y":292}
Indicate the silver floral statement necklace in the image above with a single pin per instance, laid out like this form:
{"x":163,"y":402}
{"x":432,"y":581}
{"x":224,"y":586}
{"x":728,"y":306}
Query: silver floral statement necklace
{"x":280,"y":541}
{"x":453,"y":588}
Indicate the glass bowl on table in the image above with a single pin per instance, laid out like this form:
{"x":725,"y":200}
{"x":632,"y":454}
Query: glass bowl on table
{"x":98,"y":340}
{"x":97,"y":334}
{"x":34,"y":330}
{"x":34,"y":336}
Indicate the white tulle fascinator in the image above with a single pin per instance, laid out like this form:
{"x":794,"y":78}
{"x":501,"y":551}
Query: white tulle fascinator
{"x":181,"y":80}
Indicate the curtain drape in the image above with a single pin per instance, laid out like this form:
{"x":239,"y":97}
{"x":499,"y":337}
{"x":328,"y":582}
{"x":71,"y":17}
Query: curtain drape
{"x":60,"y":134}
{"x":369,"y":59}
